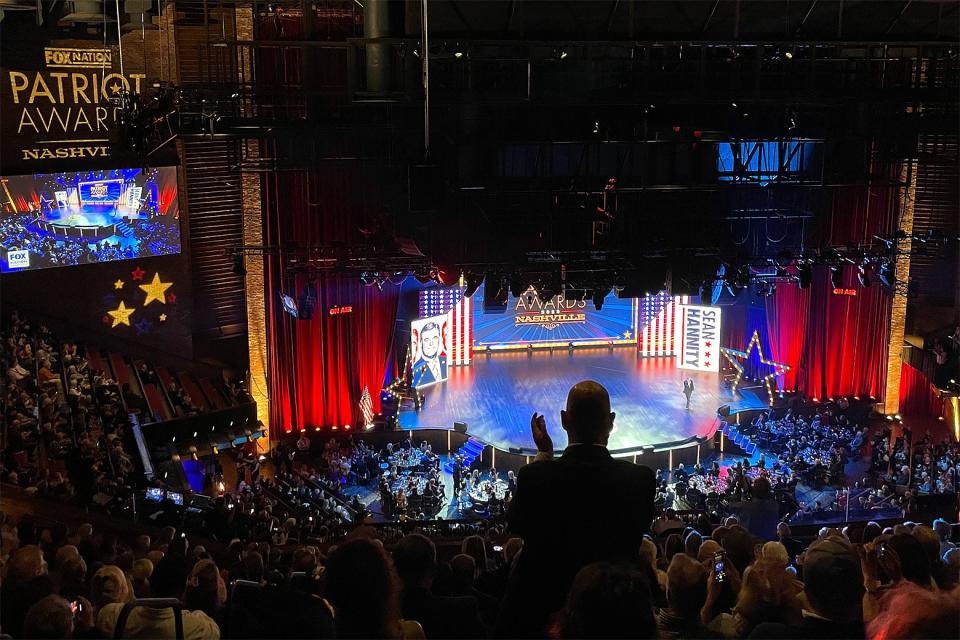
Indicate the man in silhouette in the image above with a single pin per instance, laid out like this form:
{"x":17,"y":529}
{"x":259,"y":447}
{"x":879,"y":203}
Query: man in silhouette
{"x":584,"y":507}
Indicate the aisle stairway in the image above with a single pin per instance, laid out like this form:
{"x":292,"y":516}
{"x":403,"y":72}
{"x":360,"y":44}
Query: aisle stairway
{"x":124,"y":229}
{"x":470,"y":451}
{"x":739,"y":439}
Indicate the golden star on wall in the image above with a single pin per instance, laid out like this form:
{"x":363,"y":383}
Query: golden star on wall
{"x":156,"y":290}
{"x":163,"y":317}
{"x":121,"y":315}
{"x":118,"y":284}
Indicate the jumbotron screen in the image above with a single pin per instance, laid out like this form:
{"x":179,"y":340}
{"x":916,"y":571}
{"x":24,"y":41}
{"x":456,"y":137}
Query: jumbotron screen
{"x":63,"y":219}
{"x":528,"y":320}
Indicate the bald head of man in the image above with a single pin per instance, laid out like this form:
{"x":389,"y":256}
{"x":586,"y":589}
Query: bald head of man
{"x":587,"y":418}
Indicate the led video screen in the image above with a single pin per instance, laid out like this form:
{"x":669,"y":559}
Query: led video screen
{"x":428,"y":350}
{"x":528,"y":320}
{"x":64,"y":219}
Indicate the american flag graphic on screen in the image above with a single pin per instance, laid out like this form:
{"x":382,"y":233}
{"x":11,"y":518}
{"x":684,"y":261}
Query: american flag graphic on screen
{"x":656,"y":315}
{"x":458,"y":329}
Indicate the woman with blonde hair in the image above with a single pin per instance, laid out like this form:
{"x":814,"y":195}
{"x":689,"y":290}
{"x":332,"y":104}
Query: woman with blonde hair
{"x":767,"y":594}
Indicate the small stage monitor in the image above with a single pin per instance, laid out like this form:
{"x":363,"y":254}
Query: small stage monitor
{"x":177,"y":498}
{"x":154,"y":494}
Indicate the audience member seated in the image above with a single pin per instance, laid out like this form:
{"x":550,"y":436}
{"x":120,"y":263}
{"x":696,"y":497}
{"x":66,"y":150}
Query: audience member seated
{"x":364,"y":590}
{"x":415,"y":557}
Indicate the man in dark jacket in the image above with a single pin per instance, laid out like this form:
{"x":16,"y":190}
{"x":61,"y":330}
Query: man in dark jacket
{"x":581,"y":508}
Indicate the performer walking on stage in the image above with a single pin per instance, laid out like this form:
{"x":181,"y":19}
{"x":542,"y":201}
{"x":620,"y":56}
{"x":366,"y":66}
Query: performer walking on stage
{"x":688,"y":390}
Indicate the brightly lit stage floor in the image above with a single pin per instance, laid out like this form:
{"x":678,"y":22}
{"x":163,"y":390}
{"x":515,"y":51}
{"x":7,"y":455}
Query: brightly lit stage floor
{"x":499,"y":392}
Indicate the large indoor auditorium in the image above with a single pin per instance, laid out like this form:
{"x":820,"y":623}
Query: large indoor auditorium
{"x":448,"y":319}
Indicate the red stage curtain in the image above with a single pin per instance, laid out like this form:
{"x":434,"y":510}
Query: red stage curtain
{"x":918,"y":396}
{"x":319,"y":367}
{"x":837,"y":344}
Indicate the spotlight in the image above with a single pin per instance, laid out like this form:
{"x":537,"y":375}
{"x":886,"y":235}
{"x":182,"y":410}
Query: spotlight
{"x":789,"y":55}
{"x":805,"y":275}
{"x":238,"y":268}
{"x":887,"y":275}
{"x":863,"y":276}
{"x":836,"y":276}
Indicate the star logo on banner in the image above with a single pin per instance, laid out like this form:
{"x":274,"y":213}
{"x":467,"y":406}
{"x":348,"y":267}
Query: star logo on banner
{"x":120,"y":315}
{"x":163,"y":317}
{"x":156,"y":290}
{"x":734,"y":357}
{"x":137,"y":274}
{"x":626,"y":335}
{"x":143,"y":327}
{"x":118,"y":284}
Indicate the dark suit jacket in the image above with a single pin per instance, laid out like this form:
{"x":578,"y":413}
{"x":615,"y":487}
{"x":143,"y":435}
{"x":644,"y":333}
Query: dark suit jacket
{"x":581,"y":508}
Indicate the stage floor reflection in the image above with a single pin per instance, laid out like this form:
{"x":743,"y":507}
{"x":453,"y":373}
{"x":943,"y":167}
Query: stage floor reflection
{"x":497,"y":395}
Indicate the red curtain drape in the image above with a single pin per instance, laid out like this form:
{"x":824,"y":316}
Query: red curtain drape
{"x":319,"y":367}
{"x":918,"y":396}
{"x":837,"y":344}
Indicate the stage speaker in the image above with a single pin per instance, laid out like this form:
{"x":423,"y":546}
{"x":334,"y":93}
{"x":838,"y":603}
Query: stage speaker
{"x":460,"y":427}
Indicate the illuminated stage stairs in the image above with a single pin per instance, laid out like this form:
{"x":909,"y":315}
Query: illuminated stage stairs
{"x":733,"y":434}
{"x":124,"y":229}
{"x":470,"y":452}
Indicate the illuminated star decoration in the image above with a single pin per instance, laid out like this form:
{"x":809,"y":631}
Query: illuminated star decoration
{"x":163,"y":317}
{"x":627,"y":334}
{"x":137,"y":274}
{"x":734,"y":356}
{"x":120,"y":315}
{"x":118,"y":284}
{"x":156,"y":290}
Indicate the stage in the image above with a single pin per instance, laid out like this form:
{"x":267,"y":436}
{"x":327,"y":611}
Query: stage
{"x":499,"y":392}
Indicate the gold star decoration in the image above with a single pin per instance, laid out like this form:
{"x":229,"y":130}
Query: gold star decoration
{"x":626,"y":335}
{"x":156,"y":290}
{"x":118,"y":284}
{"x":733,"y":356}
{"x":115,"y":88}
{"x":163,"y":317}
{"x":121,"y":315}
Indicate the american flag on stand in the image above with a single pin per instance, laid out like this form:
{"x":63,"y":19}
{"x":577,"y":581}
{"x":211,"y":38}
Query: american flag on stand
{"x":656,"y":315}
{"x":458,"y":326}
{"x":366,"y":407}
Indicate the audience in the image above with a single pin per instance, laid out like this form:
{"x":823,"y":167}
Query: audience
{"x":581,"y":566}
{"x":415,"y":557}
